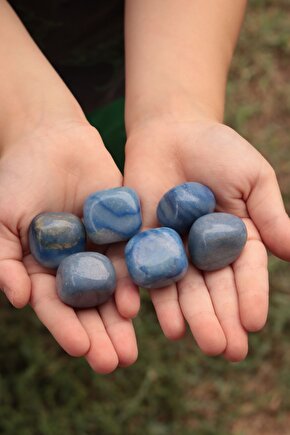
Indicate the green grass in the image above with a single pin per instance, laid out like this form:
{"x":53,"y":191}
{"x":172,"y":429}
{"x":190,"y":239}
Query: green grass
{"x":173,"y":388}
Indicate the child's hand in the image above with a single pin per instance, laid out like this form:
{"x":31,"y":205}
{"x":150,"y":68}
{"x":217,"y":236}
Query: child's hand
{"x":220,"y":306}
{"x":54,"y":168}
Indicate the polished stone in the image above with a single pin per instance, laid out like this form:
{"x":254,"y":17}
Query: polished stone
{"x":216,"y":240}
{"x":85,"y":280}
{"x":183,"y":204}
{"x":112,"y":215}
{"x":156,"y":258}
{"x":54,"y":236}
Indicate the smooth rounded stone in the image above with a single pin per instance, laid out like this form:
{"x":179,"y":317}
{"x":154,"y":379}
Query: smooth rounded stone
{"x":183,"y":204}
{"x":156,"y":258}
{"x":112,"y":215}
{"x":85,"y":280}
{"x":216,"y":240}
{"x":54,"y":236}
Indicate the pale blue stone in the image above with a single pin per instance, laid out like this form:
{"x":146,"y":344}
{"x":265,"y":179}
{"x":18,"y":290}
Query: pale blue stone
{"x":54,"y":236}
{"x":85,"y":280}
{"x":183,"y":204}
{"x":156,"y":258}
{"x":112,"y":215}
{"x":216,"y":240}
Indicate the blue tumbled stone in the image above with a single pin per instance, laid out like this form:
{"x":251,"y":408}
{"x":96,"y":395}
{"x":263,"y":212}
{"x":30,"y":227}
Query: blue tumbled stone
{"x":54,"y":236}
{"x":216,"y":240}
{"x":183,"y":204}
{"x":156,"y":258}
{"x":85,"y":280}
{"x":112,"y":215}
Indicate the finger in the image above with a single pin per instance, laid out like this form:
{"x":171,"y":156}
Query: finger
{"x":127,"y":295}
{"x":168,"y":311}
{"x":15,"y":282}
{"x":266,"y":208}
{"x":223,"y":294}
{"x":101,"y":356}
{"x":251,"y":277}
{"x":141,"y":161}
{"x":198,"y":310}
{"x":14,"y":279}
{"x":121,"y":333}
{"x":60,"y":319}
{"x":127,"y":298}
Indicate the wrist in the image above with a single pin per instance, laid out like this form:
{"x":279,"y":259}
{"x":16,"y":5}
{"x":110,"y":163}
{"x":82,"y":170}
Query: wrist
{"x":178,"y":56}
{"x":31,"y":92}
{"x":171,"y":109}
{"x":33,"y":108}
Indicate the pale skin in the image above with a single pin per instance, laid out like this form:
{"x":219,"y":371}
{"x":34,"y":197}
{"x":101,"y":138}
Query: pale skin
{"x":177,"y":62}
{"x":51,"y":159}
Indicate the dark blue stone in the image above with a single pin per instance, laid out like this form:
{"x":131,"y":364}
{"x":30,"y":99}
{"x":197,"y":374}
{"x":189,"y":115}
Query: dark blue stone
{"x":54,"y":236}
{"x":183,"y":204}
{"x":112,"y":215}
{"x":156,"y":258}
{"x":216,"y":240}
{"x":85,"y":280}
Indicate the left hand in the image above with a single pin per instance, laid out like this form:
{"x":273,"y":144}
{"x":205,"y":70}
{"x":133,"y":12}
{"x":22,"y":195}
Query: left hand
{"x":219,"y":306}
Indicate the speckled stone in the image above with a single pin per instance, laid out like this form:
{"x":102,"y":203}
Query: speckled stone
{"x":216,"y":240}
{"x":112,"y":215}
{"x":183,"y":204}
{"x":54,"y":236}
{"x":85,"y":280}
{"x":156,"y":258}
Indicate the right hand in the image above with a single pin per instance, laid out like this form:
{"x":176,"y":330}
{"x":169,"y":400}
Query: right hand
{"x":53,"y":168}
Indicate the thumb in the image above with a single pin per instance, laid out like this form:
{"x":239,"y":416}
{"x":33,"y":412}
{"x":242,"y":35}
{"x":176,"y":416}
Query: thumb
{"x":266,"y":209}
{"x":14,"y":280}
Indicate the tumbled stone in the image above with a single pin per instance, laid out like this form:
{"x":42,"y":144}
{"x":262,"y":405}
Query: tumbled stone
{"x":156,"y":258}
{"x":85,"y":280}
{"x":216,"y":240}
{"x":183,"y":204}
{"x":54,"y":236}
{"x":112,"y":215}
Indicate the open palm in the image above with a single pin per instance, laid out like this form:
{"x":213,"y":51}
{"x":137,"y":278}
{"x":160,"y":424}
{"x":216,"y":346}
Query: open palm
{"x":54,"y":169}
{"x":219,"y":306}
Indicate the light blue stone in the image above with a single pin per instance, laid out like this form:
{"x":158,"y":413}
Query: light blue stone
{"x":85,"y":280}
{"x":112,"y":215}
{"x":54,"y":236}
{"x":156,"y":258}
{"x":183,"y":204}
{"x":216,"y":240}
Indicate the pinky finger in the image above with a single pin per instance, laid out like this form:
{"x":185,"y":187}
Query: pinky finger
{"x":127,"y":298}
{"x":127,"y":295}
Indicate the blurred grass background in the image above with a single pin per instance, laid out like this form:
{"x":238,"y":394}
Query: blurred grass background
{"x":173,"y":389}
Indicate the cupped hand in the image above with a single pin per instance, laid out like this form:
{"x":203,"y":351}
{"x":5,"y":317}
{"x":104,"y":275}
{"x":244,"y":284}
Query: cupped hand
{"x":53,"y":168}
{"x":219,"y":306}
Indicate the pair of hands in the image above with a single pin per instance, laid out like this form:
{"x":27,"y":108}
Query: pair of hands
{"x":54,"y":168}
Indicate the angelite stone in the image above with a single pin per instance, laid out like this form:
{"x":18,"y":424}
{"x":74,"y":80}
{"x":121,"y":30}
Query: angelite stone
{"x":54,"y":236}
{"x":156,"y":258}
{"x":112,"y":215}
{"x":183,"y":204}
{"x":85,"y":280}
{"x":216,"y":240}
